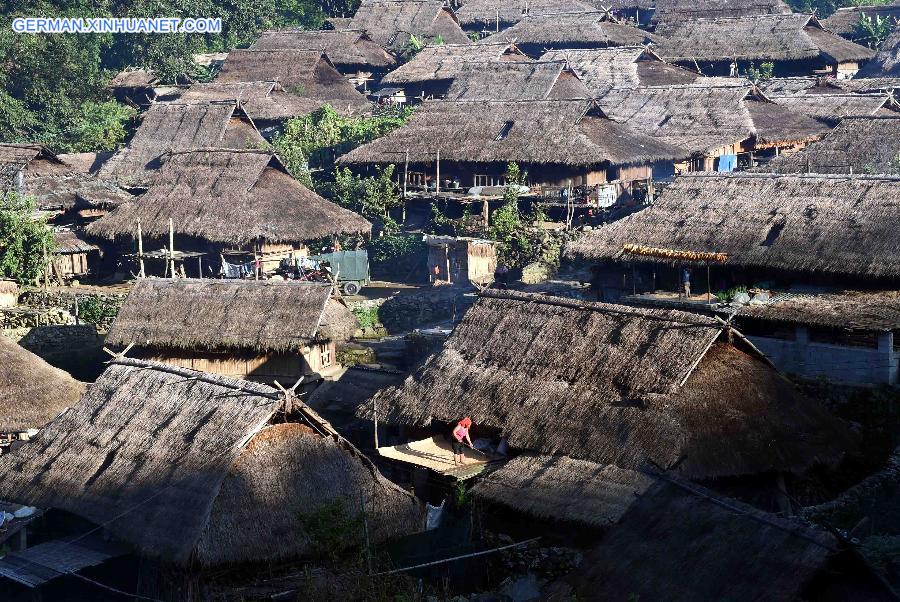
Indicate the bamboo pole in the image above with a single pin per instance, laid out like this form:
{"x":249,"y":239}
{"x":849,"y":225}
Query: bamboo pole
{"x":405,"y":180}
{"x":375,"y":413}
{"x":171,"y":248}
{"x":140,"y":238}
{"x":437,"y":183}
{"x":200,"y":265}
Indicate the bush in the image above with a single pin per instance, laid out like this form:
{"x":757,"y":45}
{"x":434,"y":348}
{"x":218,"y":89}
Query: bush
{"x":97,"y":310}
{"x":26,"y":242}
{"x":333,"y":529}
{"x":386,"y":248}
{"x":366,"y":317}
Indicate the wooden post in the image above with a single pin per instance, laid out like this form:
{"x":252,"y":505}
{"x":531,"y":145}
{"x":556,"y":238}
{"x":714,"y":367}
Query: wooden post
{"x":487,"y":214}
{"x":497,"y":22}
{"x":708,"y":286}
{"x":46,"y":267}
{"x":171,"y":248}
{"x":375,"y":413}
{"x":437,"y":182}
{"x":200,"y":265}
{"x":255,"y":262}
{"x":140,"y":238}
{"x":405,"y":180}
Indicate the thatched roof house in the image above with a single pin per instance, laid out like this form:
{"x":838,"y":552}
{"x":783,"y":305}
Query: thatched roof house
{"x":535,"y":34}
{"x":559,"y":488}
{"x":844,"y":21}
{"x":669,"y":12}
{"x":229,"y":197}
{"x":496,"y":15}
{"x":797,"y":44}
{"x":809,"y":224}
{"x":434,"y":68}
{"x":617,"y":385}
{"x":625,"y":67}
{"x":886,"y":62}
{"x":32,"y":392}
{"x":262,"y":101}
{"x":348,"y":50}
{"x":309,"y":74}
{"x":857,"y":145}
{"x":200,"y":314}
{"x":831,"y":108}
{"x":227,"y":483}
{"x":517,"y":80}
{"x":709,"y":119}
{"x":179,"y":126}
{"x":391,"y":23}
{"x":682,"y":542}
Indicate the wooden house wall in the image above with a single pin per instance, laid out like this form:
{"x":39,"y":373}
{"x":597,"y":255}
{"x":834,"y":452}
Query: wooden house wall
{"x":538,"y":176}
{"x":481,"y":261}
{"x":71,"y":264}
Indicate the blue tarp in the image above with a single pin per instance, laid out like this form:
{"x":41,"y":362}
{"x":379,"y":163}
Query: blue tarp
{"x":727,"y":163}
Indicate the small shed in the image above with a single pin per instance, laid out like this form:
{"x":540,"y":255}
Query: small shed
{"x":73,"y":255}
{"x":460,"y":260}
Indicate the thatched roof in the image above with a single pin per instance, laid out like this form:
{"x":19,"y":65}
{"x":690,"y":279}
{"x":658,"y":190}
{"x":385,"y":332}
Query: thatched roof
{"x":886,"y":62}
{"x":32,"y":392}
{"x":886,"y":85}
{"x":755,"y":38}
{"x":308,"y":74}
{"x":84,"y":163}
{"x":390,"y":23}
{"x":561,"y":488}
{"x":182,"y":466}
{"x":680,"y":542}
{"x":229,"y":197}
{"x":68,"y":242}
{"x":802,"y":223}
{"x":548,"y":132}
{"x":625,"y":67}
{"x":348,"y":392}
{"x":262,"y":101}
{"x":572,"y":30}
{"x":830,"y":108}
{"x":616,"y":385}
{"x":704,"y":116}
{"x":790,"y":86}
{"x":843,"y":21}
{"x":854,"y":310}
{"x":857,"y":145}
{"x":16,"y":159}
{"x":179,"y":126}
{"x":347,"y":49}
{"x":484,"y":13}
{"x":672,"y":11}
{"x":517,"y":80}
{"x":202,"y":315}
{"x":133,"y":78}
{"x":444,"y":61}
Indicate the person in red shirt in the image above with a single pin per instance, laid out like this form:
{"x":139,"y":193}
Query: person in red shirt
{"x":460,"y":434}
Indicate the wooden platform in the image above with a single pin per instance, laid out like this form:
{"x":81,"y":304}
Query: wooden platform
{"x":436,"y":454}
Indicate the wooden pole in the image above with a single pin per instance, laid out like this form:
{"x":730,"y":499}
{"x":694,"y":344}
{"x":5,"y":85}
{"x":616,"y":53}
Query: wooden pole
{"x":497,"y":22}
{"x":708,"y":286}
{"x":255,"y":262}
{"x":437,"y":183}
{"x":200,"y":265}
{"x":375,"y":413}
{"x":171,"y":248}
{"x":46,"y":267}
{"x":405,"y":180}
{"x":140,"y":238}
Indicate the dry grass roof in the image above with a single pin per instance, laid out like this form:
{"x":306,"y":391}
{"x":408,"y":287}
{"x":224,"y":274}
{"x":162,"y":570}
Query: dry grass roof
{"x":755,"y":38}
{"x":623,"y":67}
{"x":32,"y":392}
{"x":854,"y":310}
{"x":616,"y":385}
{"x":857,"y":145}
{"x":179,"y":126}
{"x":229,"y":196}
{"x":68,"y":242}
{"x":133,"y":78}
{"x":830,"y":108}
{"x":561,"y":488}
{"x":797,"y":223}
{"x":186,"y":467}
{"x":886,"y":62}
{"x":672,"y":11}
{"x":843,"y":21}
{"x":484,"y":13}
{"x":390,"y":23}
{"x":536,"y":132}
{"x":309,"y":74}
{"x":346,"y":48}
{"x":256,"y":315}
{"x":572,"y":30}
{"x":681,"y":543}
{"x":262,"y":101}
{"x":517,"y":80}
{"x":444,"y":61}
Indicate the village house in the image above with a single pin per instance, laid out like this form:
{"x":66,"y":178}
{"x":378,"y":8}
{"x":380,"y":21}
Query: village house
{"x":517,"y":80}
{"x":309,"y":74}
{"x":720,"y":126}
{"x":140,"y":88}
{"x":614,"y":385}
{"x":73,"y":256}
{"x":858,"y":145}
{"x":394,"y":23}
{"x":231,"y":211}
{"x":353,"y":53}
{"x":886,"y":62}
{"x":485,"y":17}
{"x":831,"y":108}
{"x":602,"y":69}
{"x":460,"y":260}
{"x":535,"y":34}
{"x":32,"y":393}
{"x":179,"y":126}
{"x":795,"y":44}
{"x":672,"y":12}
{"x":286,"y":330}
{"x":453,"y":147}
{"x":845,"y":21}
{"x":774,"y":235}
{"x":186,"y":474}
{"x":432,"y":70}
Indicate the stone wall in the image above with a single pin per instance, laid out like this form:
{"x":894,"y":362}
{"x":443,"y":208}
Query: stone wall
{"x":403,"y":313}
{"x":77,"y":349}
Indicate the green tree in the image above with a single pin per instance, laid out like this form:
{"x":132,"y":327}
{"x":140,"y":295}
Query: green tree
{"x":765,"y":71}
{"x":372,"y":197}
{"x":98,"y":127}
{"x":25,"y":241}
{"x":872,"y":31}
{"x":825,"y":8}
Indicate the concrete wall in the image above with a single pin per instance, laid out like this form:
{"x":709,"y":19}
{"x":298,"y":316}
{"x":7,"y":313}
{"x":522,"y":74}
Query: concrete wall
{"x":836,"y":363}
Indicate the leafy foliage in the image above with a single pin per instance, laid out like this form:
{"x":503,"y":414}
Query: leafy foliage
{"x":373,"y":197}
{"x":25,"y":241}
{"x":825,"y":8}
{"x":98,"y":127}
{"x":765,"y":71}
{"x":333,"y":529}
{"x":386,"y":248}
{"x":520,"y":244}
{"x":97,"y":310}
{"x":366,"y":317}
{"x":872,"y":31}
